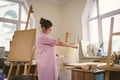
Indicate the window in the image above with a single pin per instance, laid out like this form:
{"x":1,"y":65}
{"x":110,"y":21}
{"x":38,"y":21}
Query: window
{"x":98,"y":16}
{"x":13,"y":16}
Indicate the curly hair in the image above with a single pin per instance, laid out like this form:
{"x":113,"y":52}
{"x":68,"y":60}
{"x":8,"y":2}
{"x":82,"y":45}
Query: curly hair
{"x":45,"y":23}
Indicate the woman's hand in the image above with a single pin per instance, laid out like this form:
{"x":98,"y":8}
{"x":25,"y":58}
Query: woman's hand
{"x":74,"y":46}
{"x":57,"y":55}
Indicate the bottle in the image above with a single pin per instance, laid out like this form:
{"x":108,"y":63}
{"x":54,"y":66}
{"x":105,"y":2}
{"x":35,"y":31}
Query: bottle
{"x":99,"y":53}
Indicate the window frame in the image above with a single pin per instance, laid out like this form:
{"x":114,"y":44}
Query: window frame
{"x":86,"y":18}
{"x":100,"y":17}
{"x":18,"y":22}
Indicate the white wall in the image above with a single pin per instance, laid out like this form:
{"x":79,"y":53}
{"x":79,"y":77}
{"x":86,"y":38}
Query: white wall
{"x":48,"y":10}
{"x":65,"y":17}
{"x":71,"y":17}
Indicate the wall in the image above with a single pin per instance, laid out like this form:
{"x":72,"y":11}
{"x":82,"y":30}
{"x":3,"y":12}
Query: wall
{"x":48,"y":10}
{"x":71,"y":18}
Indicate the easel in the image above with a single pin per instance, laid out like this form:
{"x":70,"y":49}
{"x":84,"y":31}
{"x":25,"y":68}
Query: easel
{"x":108,"y":68}
{"x":110,"y":42}
{"x":66,"y":37}
{"x":17,"y":56}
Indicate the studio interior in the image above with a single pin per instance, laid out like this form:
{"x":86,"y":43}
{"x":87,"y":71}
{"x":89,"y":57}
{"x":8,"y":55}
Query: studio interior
{"x":90,"y":30}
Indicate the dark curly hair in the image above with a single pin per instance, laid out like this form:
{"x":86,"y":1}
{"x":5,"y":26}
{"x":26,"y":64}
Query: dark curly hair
{"x":45,"y":23}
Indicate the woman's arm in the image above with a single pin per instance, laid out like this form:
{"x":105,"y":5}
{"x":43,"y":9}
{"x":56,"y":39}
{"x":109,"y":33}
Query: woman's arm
{"x":60,"y":43}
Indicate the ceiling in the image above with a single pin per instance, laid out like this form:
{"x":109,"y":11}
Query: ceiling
{"x":58,"y":1}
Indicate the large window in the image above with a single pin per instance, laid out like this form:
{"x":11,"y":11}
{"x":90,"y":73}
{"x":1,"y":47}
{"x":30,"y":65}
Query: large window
{"x":13,"y":16}
{"x":98,"y":19}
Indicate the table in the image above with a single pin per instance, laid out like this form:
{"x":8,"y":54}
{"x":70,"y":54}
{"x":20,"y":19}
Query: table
{"x":79,"y":74}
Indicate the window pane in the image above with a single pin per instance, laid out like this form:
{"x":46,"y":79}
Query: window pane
{"x":9,"y":9}
{"x":93,"y":26}
{"x":6,"y":33}
{"x":117,"y":23}
{"x":115,"y":43}
{"x":23,"y":26}
{"x":24,"y":14}
{"x":108,"y":5}
{"x":93,"y":12}
{"x":106,"y":31}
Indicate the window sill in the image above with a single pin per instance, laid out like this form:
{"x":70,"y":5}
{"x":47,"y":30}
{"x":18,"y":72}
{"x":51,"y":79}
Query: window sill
{"x":94,"y":57}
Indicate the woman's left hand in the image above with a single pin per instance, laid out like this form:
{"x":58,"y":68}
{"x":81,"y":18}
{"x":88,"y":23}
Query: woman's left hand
{"x":74,"y":46}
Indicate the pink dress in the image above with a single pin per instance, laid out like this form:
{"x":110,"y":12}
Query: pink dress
{"x":46,"y":57}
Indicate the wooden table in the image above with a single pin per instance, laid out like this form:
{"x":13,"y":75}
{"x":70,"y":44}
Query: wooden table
{"x":109,"y":72}
{"x":79,"y":74}
{"x":112,"y":72}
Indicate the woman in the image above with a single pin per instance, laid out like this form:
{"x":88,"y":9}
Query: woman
{"x":45,"y":52}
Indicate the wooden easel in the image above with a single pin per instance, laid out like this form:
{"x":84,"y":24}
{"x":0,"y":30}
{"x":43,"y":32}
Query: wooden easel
{"x":110,"y":42}
{"x":17,"y":57}
{"x":110,"y":67}
{"x":66,"y":37}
